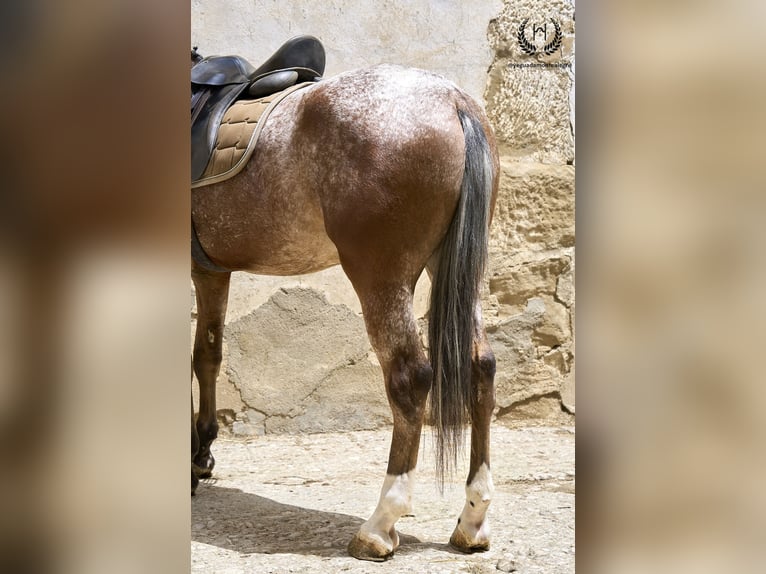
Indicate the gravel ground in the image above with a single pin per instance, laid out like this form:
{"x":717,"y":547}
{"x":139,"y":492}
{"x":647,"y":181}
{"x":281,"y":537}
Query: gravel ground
{"x":279,"y":504}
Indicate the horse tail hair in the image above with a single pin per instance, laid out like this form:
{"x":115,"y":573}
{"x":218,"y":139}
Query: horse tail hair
{"x":455,"y":292}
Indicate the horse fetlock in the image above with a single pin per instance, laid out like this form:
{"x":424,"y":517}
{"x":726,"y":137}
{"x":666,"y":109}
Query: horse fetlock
{"x":397,"y":501}
{"x":203,"y":463}
{"x":479,"y":491}
{"x":478,"y":503}
{"x":395,"y":498}
{"x":478,"y":495}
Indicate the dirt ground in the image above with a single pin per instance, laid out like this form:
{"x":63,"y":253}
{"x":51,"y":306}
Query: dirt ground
{"x":291,"y":503}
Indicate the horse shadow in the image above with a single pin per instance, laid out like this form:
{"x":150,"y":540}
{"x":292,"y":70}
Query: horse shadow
{"x":232,"y":519}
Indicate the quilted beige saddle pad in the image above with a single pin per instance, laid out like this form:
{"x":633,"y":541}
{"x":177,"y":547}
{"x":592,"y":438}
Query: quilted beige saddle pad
{"x":238,"y":134}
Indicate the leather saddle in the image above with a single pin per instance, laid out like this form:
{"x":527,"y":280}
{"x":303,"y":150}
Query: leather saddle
{"x":218,"y":81}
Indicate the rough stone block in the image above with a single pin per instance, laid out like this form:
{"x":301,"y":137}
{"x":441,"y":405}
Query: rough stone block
{"x":554,"y":329}
{"x":514,"y":287}
{"x":538,"y":128}
{"x":535,"y":212}
{"x":529,"y":104}
{"x":520,"y":374}
{"x":303,"y":363}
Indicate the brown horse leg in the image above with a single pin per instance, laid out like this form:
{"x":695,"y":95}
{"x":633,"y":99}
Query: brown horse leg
{"x":194,"y":449}
{"x":194,"y":441}
{"x":212,"y":297}
{"x":472,"y":531}
{"x":393,"y":334}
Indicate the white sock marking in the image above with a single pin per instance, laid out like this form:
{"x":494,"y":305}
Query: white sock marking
{"x":395,"y":501}
{"x":478,"y":495}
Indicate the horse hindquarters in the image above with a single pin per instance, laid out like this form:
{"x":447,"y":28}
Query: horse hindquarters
{"x":465,"y":363}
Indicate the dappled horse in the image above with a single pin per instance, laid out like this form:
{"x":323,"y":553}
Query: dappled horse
{"x":387,"y":171}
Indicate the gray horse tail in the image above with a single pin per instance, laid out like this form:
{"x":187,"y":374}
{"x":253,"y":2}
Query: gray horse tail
{"x":455,"y":292}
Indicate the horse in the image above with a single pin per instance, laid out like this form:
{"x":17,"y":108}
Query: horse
{"x":387,"y":171}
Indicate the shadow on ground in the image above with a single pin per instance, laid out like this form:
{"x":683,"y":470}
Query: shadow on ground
{"x":250,"y":524}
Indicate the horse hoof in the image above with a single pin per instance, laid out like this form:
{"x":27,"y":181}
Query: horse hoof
{"x":203,"y":465}
{"x":369,"y":549}
{"x":194,"y":482}
{"x":462,"y":541}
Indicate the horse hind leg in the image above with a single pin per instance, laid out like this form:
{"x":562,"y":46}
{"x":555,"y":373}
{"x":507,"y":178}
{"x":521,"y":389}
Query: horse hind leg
{"x":212,"y":291}
{"x":393,"y":333}
{"x":472,"y":532}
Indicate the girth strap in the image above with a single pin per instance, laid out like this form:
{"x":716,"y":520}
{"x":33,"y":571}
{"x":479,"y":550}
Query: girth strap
{"x":199,"y":255}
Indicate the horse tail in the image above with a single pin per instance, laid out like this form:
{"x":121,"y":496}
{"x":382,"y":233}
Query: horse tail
{"x":455,"y":292}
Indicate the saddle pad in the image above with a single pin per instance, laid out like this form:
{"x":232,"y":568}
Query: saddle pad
{"x":238,"y":134}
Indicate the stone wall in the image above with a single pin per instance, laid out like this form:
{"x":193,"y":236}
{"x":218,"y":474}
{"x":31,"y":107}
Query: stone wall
{"x":530,"y":100}
{"x":296,"y":354}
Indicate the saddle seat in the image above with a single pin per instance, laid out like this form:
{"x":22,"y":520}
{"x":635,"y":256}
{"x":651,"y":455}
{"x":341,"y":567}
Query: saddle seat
{"x":218,"y":81}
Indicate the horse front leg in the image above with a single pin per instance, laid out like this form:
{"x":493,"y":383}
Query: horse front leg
{"x":194,"y":450}
{"x":408,"y":377}
{"x":472,"y":532}
{"x":212,"y":291}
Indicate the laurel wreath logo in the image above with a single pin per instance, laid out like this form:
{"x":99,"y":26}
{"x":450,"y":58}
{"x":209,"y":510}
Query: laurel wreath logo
{"x":526,"y":46}
{"x":554,"y":44}
{"x":529,"y":48}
